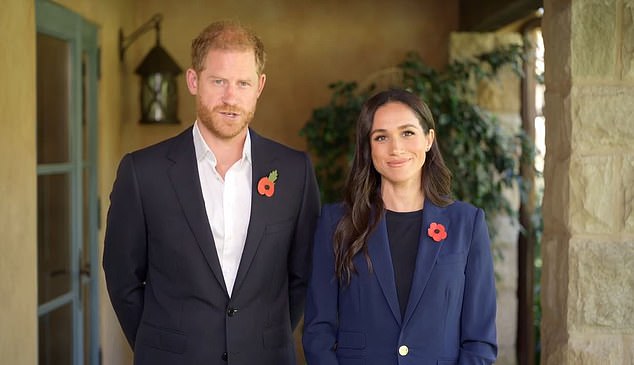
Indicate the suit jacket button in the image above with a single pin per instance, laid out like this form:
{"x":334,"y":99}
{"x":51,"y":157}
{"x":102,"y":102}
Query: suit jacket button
{"x":232,"y":312}
{"x":403,"y":350}
{"x":225,"y":356}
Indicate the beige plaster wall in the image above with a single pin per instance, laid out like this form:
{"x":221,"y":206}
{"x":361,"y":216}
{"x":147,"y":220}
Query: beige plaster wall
{"x":309,"y":45}
{"x":588,"y":243}
{"x":18,"y":283}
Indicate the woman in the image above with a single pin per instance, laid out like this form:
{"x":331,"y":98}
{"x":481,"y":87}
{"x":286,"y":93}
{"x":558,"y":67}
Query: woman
{"x":401,"y":273}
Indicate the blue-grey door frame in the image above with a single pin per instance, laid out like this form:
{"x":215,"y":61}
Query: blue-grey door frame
{"x":81,"y":35}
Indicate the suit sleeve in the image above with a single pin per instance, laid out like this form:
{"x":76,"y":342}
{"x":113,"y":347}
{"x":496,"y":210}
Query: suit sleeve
{"x":299,"y":257}
{"x":125,"y":249}
{"x":478,"y":345}
{"x":321,"y":319}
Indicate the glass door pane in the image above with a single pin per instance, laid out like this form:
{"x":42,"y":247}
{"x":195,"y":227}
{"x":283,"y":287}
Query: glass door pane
{"x":54,"y":236}
{"x":53,"y":96}
{"x":55,"y":199}
{"x":86,"y":307}
{"x":56,"y":337}
{"x":67,"y":52}
{"x":85,"y":266}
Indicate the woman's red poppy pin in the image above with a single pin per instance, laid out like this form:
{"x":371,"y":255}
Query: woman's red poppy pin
{"x":437,"y":232}
{"x":266,"y":185}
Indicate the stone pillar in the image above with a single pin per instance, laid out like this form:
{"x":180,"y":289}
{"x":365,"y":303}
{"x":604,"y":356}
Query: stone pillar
{"x":501,"y":97}
{"x":588,"y":207}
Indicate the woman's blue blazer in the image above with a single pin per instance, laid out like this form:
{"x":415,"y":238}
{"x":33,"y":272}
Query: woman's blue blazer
{"x":450,"y":316}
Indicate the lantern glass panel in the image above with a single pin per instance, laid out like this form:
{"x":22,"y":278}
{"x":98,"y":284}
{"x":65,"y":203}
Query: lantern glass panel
{"x":159,"y":98}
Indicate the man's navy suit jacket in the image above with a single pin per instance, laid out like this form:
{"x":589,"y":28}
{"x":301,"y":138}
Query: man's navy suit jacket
{"x":163,"y":273}
{"x":450,"y":315}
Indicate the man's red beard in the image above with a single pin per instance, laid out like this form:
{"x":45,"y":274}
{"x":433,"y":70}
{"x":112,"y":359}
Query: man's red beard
{"x":220,"y":128}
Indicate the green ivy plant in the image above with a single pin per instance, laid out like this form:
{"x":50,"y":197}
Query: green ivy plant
{"x":479,"y":153}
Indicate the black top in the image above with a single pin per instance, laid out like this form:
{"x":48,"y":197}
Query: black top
{"x":403,"y":232}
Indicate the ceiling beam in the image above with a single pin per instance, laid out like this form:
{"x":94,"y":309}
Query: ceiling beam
{"x":491,"y":15}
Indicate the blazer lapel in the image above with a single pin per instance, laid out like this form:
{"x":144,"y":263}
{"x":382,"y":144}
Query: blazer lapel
{"x":379,"y":251}
{"x":261,"y":165}
{"x":184,"y":177}
{"x":426,"y":258}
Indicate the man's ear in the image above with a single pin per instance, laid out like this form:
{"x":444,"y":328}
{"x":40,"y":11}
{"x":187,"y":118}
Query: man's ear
{"x":192,"y":81}
{"x":261,"y":82}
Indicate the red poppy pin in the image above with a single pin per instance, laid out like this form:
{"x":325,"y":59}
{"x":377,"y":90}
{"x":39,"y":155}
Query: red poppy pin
{"x":266,"y":185}
{"x":437,"y":232}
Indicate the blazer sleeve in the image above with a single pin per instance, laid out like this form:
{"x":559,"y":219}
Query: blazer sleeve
{"x":125,"y":249}
{"x":478,"y":345}
{"x":321,"y":319}
{"x":299,"y":256}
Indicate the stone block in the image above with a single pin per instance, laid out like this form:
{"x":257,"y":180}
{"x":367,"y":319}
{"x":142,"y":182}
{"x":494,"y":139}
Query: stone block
{"x":501,"y":94}
{"x":556,"y":32}
{"x":627,"y":50}
{"x":505,"y":264}
{"x":628,"y":347}
{"x":601,"y":285}
{"x":558,"y":125}
{"x":466,"y":45}
{"x":554,"y":354}
{"x":594,"y":42}
{"x":627,"y":184}
{"x":556,"y":195}
{"x":595,"y":206}
{"x":510,"y":122}
{"x":554,"y":291}
{"x":593,"y":349}
{"x":507,"y":227}
{"x":506,"y":356}
{"x":506,"y":321}
{"x":505,"y":252}
{"x":602,"y":118}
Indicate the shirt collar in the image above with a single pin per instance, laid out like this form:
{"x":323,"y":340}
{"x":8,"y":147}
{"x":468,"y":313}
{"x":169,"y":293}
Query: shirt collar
{"x":203,"y":151}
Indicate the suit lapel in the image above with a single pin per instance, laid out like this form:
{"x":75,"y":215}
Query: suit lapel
{"x":379,"y":251}
{"x":184,"y":177}
{"x":426,"y":258}
{"x":261,"y":165}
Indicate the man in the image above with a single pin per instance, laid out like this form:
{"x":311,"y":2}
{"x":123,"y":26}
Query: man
{"x":209,"y":233}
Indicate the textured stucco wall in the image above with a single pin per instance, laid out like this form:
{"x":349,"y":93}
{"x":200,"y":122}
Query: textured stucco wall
{"x":309,"y":45}
{"x":18,"y":283}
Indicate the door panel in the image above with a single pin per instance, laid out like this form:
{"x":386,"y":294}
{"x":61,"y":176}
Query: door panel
{"x":67,"y":188}
{"x":53,"y":99}
{"x":56,"y":336}
{"x":54,"y":236}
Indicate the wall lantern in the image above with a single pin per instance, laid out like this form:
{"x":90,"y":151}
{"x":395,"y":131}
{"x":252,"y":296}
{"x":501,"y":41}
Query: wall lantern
{"x":158,"y":71}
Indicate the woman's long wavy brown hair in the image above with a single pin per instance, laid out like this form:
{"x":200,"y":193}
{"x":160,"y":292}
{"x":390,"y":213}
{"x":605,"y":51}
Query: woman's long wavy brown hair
{"x":363,"y":205}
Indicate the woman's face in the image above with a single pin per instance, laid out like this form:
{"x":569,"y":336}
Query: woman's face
{"x":398,"y":144}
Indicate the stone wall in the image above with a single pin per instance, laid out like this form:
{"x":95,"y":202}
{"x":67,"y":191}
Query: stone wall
{"x":588,"y":245}
{"x":502,"y":97}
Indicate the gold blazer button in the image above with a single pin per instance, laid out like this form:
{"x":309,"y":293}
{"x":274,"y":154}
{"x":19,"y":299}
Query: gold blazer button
{"x":403,"y":350}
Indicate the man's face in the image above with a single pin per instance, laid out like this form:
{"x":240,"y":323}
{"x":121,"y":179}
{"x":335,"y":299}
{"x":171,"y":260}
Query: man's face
{"x":226,"y":90}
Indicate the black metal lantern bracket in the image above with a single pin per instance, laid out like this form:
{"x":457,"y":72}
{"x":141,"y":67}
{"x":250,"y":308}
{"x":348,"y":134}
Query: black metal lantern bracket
{"x":153,"y":23}
{"x":158,"y":73}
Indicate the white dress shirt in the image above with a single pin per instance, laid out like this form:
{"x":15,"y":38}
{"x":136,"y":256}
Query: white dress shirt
{"x":227,"y":202}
